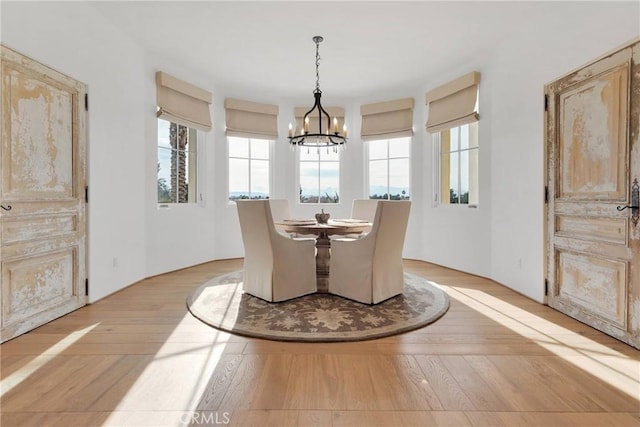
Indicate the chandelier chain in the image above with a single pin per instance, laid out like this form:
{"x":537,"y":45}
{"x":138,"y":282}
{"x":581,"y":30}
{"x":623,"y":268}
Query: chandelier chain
{"x":317,"y":65}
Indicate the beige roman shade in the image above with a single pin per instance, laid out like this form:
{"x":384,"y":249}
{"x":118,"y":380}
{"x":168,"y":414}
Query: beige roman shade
{"x":183,"y":103}
{"x":334,"y":112}
{"x":453,"y":104}
{"x":251,"y":119}
{"x":390,"y":119}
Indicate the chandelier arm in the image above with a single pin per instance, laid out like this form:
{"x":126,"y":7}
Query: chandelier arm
{"x":321,"y":111}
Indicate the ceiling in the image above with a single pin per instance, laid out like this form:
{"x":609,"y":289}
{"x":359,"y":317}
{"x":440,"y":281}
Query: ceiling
{"x":267,"y":46}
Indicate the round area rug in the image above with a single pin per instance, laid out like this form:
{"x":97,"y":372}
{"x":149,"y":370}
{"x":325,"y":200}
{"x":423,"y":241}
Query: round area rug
{"x":221,"y":303}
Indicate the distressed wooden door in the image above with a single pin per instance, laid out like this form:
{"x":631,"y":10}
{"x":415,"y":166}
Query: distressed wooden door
{"x":593,"y":156}
{"x":42,"y":193}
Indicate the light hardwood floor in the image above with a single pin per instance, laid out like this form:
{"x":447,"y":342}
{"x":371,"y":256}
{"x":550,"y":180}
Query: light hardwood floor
{"x":138,"y":358}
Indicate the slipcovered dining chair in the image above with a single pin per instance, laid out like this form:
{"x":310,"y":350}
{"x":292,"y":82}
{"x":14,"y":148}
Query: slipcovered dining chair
{"x":276,"y":267}
{"x":364,"y":209}
{"x":369,"y":269}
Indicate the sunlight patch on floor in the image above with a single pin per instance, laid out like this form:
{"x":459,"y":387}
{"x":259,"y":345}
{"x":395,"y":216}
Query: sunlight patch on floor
{"x":11,"y":381}
{"x":604,"y":363}
{"x":175,"y":381}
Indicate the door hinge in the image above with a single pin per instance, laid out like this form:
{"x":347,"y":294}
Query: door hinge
{"x":546,"y":287}
{"x":546,"y":194}
{"x":86,"y":194}
{"x":86,"y":286}
{"x":86,"y":102}
{"x":546,"y":102}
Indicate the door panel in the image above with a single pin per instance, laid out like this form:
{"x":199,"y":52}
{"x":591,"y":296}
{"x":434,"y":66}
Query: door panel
{"x":593,"y":249}
{"x":593,"y":284}
{"x":32,"y":284}
{"x":593,"y":142}
{"x":610,"y":230}
{"x":42,"y":236}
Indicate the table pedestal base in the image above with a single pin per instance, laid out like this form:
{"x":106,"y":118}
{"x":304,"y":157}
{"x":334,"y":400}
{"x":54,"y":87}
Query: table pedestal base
{"x":323,"y":243}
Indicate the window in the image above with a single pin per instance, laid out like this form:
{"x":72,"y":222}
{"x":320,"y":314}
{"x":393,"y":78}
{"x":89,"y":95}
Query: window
{"x":177,"y":163}
{"x":389,"y":161}
{"x":319,"y":175}
{"x":248,"y":168}
{"x":458,"y":165}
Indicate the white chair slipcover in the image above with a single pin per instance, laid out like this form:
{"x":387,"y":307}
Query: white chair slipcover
{"x":276,"y":267}
{"x":369,"y":270}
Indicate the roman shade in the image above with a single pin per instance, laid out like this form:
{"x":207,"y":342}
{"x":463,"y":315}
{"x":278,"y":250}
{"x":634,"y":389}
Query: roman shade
{"x":390,"y":119}
{"x":453,"y":104}
{"x":251,"y":119}
{"x":183,"y":103}
{"x":334,"y":112}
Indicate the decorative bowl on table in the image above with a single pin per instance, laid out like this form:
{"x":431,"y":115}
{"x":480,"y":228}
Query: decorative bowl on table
{"x":323,"y":217}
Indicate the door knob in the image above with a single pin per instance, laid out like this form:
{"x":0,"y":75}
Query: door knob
{"x":635,"y":202}
{"x":6,"y":208}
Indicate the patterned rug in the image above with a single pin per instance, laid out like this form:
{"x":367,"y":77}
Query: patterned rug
{"x":222,"y":304}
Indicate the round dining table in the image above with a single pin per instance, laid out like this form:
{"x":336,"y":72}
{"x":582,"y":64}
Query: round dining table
{"x":322,"y":233}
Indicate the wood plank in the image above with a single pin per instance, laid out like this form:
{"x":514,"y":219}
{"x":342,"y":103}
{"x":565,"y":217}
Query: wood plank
{"x":450,"y":394}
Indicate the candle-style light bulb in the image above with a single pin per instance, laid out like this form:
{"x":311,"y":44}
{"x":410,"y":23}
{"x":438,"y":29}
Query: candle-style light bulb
{"x":335,"y":125}
{"x":290,"y":130}
{"x":344,"y":130}
{"x":306,"y":124}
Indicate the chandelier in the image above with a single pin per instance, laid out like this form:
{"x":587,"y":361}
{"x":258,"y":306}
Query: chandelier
{"x":326,"y":136}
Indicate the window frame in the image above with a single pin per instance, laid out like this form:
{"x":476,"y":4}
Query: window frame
{"x":368,"y":161}
{"x":437,"y":166}
{"x":270,"y":163}
{"x":194,"y":171}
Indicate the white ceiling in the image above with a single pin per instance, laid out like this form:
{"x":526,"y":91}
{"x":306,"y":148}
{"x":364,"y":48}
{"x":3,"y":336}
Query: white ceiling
{"x":266,"y":46}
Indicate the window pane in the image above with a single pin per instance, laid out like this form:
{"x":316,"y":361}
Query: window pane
{"x":378,"y":149}
{"x":464,"y":177}
{"x":238,"y":179}
{"x":184,"y":183}
{"x":163,"y":133}
{"x":260,"y":149}
{"x":378,"y":188}
{"x":399,"y":147}
{"x":399,"y":179}
{"x":464,"y":137}
{"x":164,"y":175}
{"x":238,"y":147}
{"x":329,"y":180}
{"x":259,"y":179}
{"x":455,"y":138}
{"x":309,"y":182}
{"x":454,"y":187}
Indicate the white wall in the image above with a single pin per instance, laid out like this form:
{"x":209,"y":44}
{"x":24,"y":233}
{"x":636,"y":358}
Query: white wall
{"x":72,"y":38}
{"x":501,"y":239}
{"x":179,"y":235}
